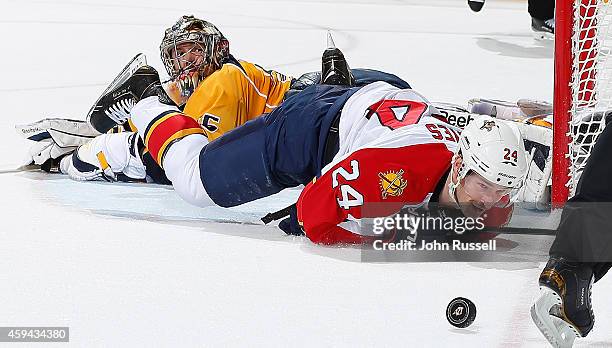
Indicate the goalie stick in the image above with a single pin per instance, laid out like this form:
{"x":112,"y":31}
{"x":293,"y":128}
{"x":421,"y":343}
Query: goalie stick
{"x":20,"y":169}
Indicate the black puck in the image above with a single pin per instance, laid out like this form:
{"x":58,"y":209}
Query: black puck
{"x":461,"y":312}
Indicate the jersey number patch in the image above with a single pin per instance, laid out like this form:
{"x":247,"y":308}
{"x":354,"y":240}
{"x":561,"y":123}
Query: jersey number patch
{"x":441,"y":132}
{"x":395,"y":114}
{"x":350,"y":197}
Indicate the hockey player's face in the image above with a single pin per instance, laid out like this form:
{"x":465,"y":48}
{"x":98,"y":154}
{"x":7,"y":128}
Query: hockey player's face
{"x":476,"y":194}
{"x":188,"y":57}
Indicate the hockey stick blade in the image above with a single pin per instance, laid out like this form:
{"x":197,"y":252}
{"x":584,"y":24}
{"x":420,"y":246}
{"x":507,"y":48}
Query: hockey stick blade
{"x":20,"y":169}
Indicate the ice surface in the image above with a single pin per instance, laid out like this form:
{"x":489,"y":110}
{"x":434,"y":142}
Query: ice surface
{"x":132,"y":265}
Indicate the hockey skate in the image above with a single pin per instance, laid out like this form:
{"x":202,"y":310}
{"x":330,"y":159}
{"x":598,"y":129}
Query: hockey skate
{"x":563,"y":311}
{"x":335,"y":69}
{"x":476,"y":5}
{"x":133,"y":84}
{"x":543,"y":29}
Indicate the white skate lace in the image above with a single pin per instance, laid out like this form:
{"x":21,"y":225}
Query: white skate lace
{"x":120,"y":110}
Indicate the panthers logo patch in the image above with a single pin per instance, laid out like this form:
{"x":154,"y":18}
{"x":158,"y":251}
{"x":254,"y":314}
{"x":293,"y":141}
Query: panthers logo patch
{"x":488,"y":125}
{"x":392,"y":183}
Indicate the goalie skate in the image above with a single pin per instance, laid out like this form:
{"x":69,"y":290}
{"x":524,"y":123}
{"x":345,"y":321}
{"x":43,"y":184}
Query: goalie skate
{"x":112,"y":108}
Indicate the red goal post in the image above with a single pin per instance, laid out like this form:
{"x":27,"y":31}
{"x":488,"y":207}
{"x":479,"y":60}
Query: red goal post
{"x":582,"y":87}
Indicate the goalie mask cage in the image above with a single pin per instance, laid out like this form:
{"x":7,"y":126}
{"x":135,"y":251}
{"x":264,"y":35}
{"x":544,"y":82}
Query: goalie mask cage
{"x":582,"y":88}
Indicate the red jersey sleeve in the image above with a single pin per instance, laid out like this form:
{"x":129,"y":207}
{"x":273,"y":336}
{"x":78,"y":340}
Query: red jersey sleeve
{"x":370,"y":182}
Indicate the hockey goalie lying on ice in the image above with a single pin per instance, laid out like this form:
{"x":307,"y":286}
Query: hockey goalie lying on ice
{"x":220,"y":92}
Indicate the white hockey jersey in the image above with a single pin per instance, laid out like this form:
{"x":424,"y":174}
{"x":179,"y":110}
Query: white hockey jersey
{"x":392,"y":153}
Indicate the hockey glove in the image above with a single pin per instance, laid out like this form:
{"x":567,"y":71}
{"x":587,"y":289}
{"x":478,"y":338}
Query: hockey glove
{"x":290,"y":225}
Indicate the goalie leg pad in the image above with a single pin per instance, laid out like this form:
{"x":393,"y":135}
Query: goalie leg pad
{"x":106,"y":157}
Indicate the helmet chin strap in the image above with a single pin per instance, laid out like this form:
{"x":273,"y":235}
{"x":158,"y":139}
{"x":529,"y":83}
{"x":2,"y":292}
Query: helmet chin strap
{"x":452,"y":187}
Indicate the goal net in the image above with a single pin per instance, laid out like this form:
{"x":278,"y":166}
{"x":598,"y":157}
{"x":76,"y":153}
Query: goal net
{"x":583,"y":87}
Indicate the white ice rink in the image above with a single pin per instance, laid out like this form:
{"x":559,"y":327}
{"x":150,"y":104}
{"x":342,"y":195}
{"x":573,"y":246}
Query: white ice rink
{"x":134,"y":266}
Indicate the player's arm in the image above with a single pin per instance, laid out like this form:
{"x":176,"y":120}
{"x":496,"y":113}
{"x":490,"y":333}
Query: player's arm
{"x":371,"y":182}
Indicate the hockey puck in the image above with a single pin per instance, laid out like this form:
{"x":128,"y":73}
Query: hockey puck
{"x":476,"y":5}
{"x":461,"y":312}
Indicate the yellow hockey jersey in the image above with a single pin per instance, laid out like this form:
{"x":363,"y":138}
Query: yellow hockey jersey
{"x":238,"y":92}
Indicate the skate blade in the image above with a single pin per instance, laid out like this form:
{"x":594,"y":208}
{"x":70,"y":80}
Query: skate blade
{"x":330,"y":41}
{"x":542,"y":36}
{"x":558,"y":332}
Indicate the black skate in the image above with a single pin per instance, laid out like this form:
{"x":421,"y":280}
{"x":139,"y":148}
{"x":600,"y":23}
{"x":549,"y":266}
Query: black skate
{"x":135,"y":82}
{"x":564,"y":312}
{"x":335,"y":69}
{"x":543,"y":29}
{"x":476,"y":5}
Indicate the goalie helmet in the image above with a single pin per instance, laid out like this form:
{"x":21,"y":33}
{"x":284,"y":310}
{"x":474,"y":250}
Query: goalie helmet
{"x":492,"y":149}
{"x":207,"y":42}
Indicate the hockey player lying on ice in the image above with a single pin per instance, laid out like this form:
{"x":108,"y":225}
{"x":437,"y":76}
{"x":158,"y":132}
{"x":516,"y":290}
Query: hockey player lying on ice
{"x":220,"y":91}
{"x":228,"y":93}
{"x":343,"y":143}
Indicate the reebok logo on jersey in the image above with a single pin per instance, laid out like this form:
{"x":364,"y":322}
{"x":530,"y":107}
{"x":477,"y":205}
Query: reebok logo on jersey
{"x":392,"y":183}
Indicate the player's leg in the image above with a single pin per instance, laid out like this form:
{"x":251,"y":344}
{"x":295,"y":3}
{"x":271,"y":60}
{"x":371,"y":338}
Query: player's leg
{"x":160,"y":125}
{"x":542,"y":18}
{"x":581,"y":253}
{"x":278,"y":150}
{"x":589,"y":211}
{"x":366,"y":76}
{"x":282,"y":149}
{"x":335,"y":71}
{"x":362,"y":77}
{"x":174,"y":141}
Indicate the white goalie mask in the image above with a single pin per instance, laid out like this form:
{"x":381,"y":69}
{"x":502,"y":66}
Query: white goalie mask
{"x":188,"y":38}
{"x":492,"y":149}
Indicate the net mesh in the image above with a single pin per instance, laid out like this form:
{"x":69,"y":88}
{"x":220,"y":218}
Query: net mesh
{"x":591,"y":81}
